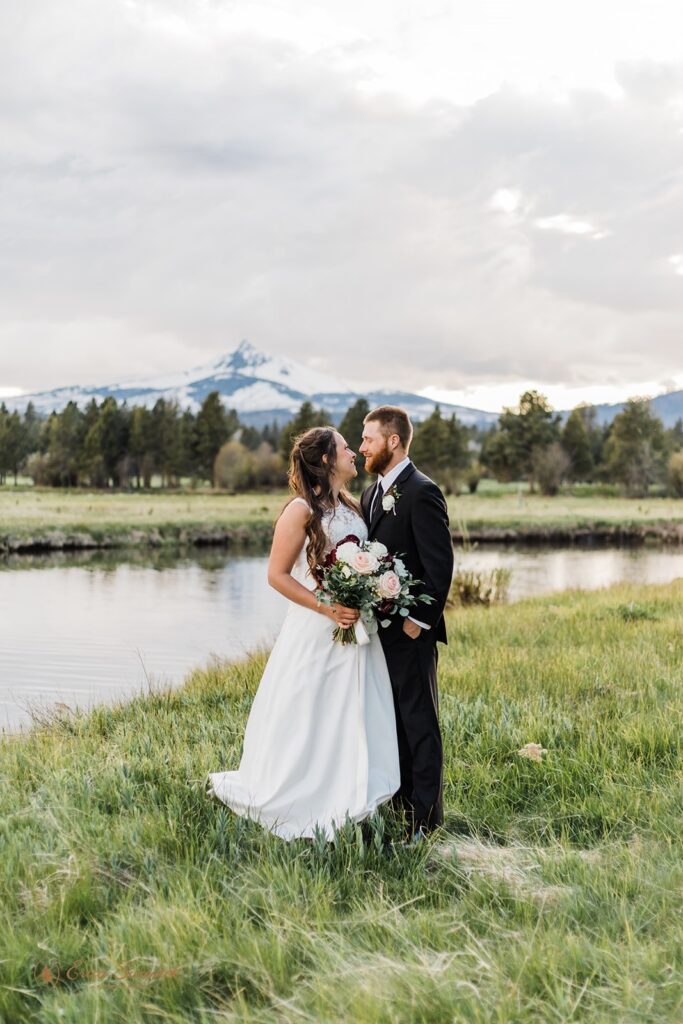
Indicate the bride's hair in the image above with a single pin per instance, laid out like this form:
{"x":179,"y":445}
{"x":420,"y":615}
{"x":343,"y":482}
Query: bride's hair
{"x":310,"y":478}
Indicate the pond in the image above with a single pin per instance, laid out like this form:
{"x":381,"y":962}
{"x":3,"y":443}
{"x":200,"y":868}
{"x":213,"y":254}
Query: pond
{"x":89,"y":627}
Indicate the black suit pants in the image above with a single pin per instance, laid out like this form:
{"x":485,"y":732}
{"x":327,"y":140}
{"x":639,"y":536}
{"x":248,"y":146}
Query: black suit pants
{"x":412,"y":668}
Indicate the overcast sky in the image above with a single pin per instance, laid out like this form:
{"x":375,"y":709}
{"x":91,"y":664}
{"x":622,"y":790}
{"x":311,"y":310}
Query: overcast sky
{"x":468,"y":198}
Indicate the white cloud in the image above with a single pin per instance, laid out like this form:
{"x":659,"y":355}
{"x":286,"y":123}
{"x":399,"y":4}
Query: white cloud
{"x":506,"y":200}
{"x":568,"y":225}
{"x":177,"y":176}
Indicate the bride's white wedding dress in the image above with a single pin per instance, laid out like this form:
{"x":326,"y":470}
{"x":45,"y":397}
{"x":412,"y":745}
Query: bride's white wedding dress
{"x":320,"y":744}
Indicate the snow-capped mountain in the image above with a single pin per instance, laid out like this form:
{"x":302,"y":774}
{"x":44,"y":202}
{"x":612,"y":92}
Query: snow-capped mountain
{"x":261,"y":387}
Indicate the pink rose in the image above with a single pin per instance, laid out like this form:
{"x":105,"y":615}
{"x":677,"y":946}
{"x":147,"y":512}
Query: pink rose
{"x":364,"y":562}
{"x":389,"y":585}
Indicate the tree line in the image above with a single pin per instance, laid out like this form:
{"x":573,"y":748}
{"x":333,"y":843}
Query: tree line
{"x":634,"y":450}
{"x":114,"y":445}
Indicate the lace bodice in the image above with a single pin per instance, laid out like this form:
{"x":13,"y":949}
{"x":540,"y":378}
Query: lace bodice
{"x":338,"y":523}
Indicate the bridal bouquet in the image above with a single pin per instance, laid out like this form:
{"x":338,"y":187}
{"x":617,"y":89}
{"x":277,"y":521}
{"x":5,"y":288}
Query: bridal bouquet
{"x":363,"y":575}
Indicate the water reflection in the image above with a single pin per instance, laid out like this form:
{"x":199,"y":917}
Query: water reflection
{"x":82,"y":634}
{"x":85,"y":627}
{"x":544,"y":570}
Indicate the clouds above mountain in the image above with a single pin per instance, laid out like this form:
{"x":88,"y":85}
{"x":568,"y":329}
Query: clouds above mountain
{"x":171,"y":184}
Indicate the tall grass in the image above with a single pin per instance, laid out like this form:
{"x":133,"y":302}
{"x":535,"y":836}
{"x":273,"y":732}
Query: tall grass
{"x":39,"y":510}
{"x":554,"y":892}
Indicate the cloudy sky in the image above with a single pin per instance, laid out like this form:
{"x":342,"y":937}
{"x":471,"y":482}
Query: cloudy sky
{"x":462,"y":198}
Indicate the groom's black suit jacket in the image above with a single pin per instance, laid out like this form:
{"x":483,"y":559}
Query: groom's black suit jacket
{"x":419,"y":533}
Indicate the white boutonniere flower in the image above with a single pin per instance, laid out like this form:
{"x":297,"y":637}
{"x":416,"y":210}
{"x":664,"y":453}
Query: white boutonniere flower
{"x":389,"y":500}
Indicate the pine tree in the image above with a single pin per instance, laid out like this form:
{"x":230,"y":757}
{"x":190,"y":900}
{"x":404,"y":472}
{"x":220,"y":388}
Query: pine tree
{"x":439,"y":449}
{"x":213,"y":428}
{"x":66,"y":435}
{"x":33,"y":424}
{"x":635,"y":449}
{"x":140,"y":444}
{"x":577,"y":445}
{"x":351,"y":428}
{"x":509,"y":452}
{"x":188,"y":433}
{"x":12,"y":442}
{"x":306,"y":418}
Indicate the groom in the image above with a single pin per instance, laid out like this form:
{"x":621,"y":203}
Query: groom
{"x":406,"y":512}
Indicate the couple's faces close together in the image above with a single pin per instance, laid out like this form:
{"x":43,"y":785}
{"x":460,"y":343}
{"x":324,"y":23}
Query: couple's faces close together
{"x":376,"y":448}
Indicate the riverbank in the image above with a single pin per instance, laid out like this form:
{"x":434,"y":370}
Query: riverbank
{"x":555,"y":891}
{"x":36,"y":519}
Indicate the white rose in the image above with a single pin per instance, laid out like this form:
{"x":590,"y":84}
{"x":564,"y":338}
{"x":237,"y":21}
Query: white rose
{"x":378,"y":550}
{"x":389,"y":585}
{"x":364,"y":562}
{"x":347,"y":552}
{"x":388,"y":502}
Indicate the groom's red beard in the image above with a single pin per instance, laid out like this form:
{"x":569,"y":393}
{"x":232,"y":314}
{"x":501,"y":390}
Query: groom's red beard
{"x":378,"y":462}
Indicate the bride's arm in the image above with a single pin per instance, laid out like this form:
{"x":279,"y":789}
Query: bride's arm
{"x":288,"y":540}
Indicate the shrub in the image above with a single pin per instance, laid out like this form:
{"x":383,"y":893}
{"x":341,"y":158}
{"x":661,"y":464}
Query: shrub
{"x":236,"y":468}
{"x":472,"y":587}
{"x":473,"y":475}
{"x":232,"y":467}
{"x":674,"y":469}
{"x":551,"y":466}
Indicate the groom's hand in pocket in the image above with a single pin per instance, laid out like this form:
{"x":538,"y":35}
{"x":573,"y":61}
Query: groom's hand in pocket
{"x":412,"y":629}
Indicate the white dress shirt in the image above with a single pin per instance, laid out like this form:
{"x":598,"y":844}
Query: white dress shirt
{"x":387,"y":480}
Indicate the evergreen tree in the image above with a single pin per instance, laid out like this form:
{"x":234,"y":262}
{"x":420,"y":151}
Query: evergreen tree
{"x":188,"y":430}
{"x":493,"y":455}
{"x":66,"y":435}
{"x":271,"y":435}
{"x":4,"y":448}
{"x":306,"y":418}
{"x":635,"y":449}
{"x":440,"y":449}
{"x":213,"y":428}
{"x":33,"y":424}
{"x":91,"y":461}
{"x":166,"y":441}
{"x":114,"y":431}
{"x":250,"y":437}
{"x":510,"y":450}
{"x":674,"y":437}
{"x":351,"y":427}
{"x":141,"y":445}
{"x":577,"y":444}
{"x":12,"y":443}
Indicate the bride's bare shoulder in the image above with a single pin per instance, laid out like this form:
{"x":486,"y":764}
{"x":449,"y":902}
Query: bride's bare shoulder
{"x":296,"y":511}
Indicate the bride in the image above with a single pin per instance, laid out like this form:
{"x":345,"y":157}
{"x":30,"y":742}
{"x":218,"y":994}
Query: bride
{"x":320,"y":744}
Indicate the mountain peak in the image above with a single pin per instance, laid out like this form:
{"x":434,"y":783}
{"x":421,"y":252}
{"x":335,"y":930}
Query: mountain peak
{"x":260,"y":386}
{"x":245,"y":355}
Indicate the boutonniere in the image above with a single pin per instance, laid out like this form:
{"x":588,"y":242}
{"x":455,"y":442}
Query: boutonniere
{"x":390,"y":498}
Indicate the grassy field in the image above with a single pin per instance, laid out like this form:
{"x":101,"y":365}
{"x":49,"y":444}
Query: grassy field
{"x":34,"y":510}
{"x":554,"y":892}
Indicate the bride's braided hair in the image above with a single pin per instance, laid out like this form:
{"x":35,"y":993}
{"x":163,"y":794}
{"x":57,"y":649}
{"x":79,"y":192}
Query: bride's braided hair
{"x":310,"y":478}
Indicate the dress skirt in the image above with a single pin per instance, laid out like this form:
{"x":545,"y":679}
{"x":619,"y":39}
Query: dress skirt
{"x":320,"y":744}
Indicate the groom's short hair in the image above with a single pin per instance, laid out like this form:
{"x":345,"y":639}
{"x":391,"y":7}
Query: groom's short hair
{"x":393,"y":420}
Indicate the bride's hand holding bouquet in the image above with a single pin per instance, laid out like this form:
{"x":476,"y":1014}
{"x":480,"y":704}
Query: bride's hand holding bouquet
{"x":365,"y":576}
